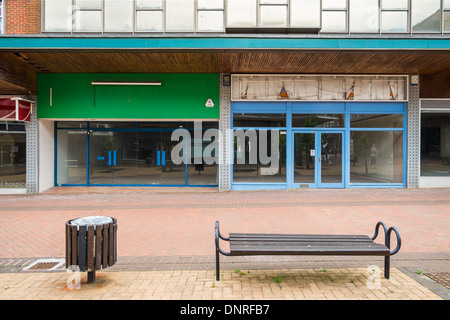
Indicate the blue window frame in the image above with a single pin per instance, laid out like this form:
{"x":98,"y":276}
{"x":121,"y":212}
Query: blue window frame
{"x":95,"y":157}
{"x":392,"y":138}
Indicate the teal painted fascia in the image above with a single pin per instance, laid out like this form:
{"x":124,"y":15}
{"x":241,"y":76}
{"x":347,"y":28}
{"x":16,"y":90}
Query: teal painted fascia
{"x":197,"y":43}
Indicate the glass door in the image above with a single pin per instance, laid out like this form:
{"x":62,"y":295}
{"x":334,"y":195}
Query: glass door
{"x":133,"y":158}
{"x":305,"y":159}
{"x":331,"y":160}
{"x":112,"y":157}
{"x":171,"y":173}
{"x":318,"y":159}
{"x":148,"y":158}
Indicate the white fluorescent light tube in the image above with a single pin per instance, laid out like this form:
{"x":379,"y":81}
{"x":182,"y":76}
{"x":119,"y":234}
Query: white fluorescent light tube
{"x":116,"y":83}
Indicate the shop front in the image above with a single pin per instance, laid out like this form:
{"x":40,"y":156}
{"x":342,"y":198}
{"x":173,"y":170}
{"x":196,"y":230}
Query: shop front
{"x":358,"y":139}
{"x":15,"y":113}
{"x":118,"y":129}
{"x":129,"y":154}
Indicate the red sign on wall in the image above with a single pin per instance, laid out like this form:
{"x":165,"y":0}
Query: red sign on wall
{"x":15,"y":109}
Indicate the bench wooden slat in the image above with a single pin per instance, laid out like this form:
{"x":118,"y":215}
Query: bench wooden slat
{"x":256,"y":244}
{"x":294,"y":236}
{"x":374,"y":249}
{"x":303,"y":239}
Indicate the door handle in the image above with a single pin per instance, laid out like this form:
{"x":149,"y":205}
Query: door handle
{"x":158,"y":158}
{"x":163,"y":158}
{"x":115,"y":158}
{"x":109,"y":158}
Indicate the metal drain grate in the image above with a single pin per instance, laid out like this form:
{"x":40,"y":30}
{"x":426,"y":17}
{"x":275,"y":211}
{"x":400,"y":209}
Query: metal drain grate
{"x":45,"y":264}
{"x":442,"y":278}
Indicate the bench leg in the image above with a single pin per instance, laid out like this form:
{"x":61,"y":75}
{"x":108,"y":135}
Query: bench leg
{"x":217,"y":266}
{"x":387,"y":264}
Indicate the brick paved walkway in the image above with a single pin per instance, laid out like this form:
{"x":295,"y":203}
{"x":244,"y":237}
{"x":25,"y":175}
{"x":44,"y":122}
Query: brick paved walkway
{"x":182,"y":223}
{"x":174,"y":227}
{"x":283,"y":284}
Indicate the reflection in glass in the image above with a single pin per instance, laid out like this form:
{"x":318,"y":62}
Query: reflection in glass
{"x":376,"y":121}
{"x":376,"y":157}
{"x":262,"y":120}
{"x":447,"y":21}
{"x":119,"y":15}
{"x":71,"y":157}
{"x":111,"y":161}
{"x":62,"y":124}
{"x":394,"y":4}
{"x":210,"y":4}
{"x":318,"y":120}
{"x":251,"y":164}
{"x":334,"y":4}
{"x":305,"y":13}
{"x":394,"y":21}
{"x":364,"y":15}
{"x":210,"y":21}
{"x":435,"y":144}
{"x":201,"y":170}
{"x":12,"y":160}
{"x":241,"y":13}
{"x":334,"y":21}
{"x":58,"y":15}
{"x":180,"y":15}
{"x":88,"y":21}
{"x":89,"y":4}
{"x":171,"y":173}
{"x":148,"y":4}
{"x":304,"y":157}
{"x":426,"y":15}
{"x":149,"y":21}
{"x":273,"y":16}
{"x":331,"y":158}
{"x":273,"y":1}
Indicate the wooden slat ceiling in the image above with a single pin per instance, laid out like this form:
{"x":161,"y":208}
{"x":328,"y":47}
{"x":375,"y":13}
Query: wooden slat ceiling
{"x":18,"y":69}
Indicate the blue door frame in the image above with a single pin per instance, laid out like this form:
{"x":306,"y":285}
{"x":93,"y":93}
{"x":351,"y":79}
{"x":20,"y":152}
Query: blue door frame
{"x":318,"y":160}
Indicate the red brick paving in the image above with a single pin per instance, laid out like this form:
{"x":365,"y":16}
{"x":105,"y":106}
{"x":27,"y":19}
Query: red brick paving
{"x":178,"y":221}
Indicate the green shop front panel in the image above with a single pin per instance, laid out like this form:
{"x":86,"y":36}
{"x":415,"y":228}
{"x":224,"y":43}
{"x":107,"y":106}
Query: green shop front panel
{"x":179,"y":96}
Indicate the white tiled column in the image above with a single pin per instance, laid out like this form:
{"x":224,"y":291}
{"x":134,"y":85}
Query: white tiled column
{"x":46,"y":155}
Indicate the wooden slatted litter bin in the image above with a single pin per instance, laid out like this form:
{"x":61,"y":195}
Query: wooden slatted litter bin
{"x":91,"y":244}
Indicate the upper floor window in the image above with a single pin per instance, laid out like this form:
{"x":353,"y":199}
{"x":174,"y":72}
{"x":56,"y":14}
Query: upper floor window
{"x":133,"y":16}
{"x":300,"y":15}
{"x":1,"y":17}
{"x":250,"y":16}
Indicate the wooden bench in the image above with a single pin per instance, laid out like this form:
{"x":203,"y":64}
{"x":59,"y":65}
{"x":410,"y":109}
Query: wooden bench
{"x":251,"y":244}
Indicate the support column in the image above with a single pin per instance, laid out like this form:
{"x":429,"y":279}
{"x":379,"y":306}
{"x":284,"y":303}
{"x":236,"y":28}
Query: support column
{"x":225,"y":144}
{"x":413,"y":136}
{"x":32,"y":161}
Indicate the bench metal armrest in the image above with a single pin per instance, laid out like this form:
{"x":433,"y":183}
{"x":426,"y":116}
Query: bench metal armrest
{"x":377,"y":227}
{"x":387,"y":237}
{"x":388,"y":240}
{"x":217,"y":236}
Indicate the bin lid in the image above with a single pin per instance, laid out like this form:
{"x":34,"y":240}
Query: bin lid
{"x":91,"y":220}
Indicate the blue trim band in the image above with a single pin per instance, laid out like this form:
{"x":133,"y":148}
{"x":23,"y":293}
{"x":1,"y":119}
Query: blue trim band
{"x":222,"y":42}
